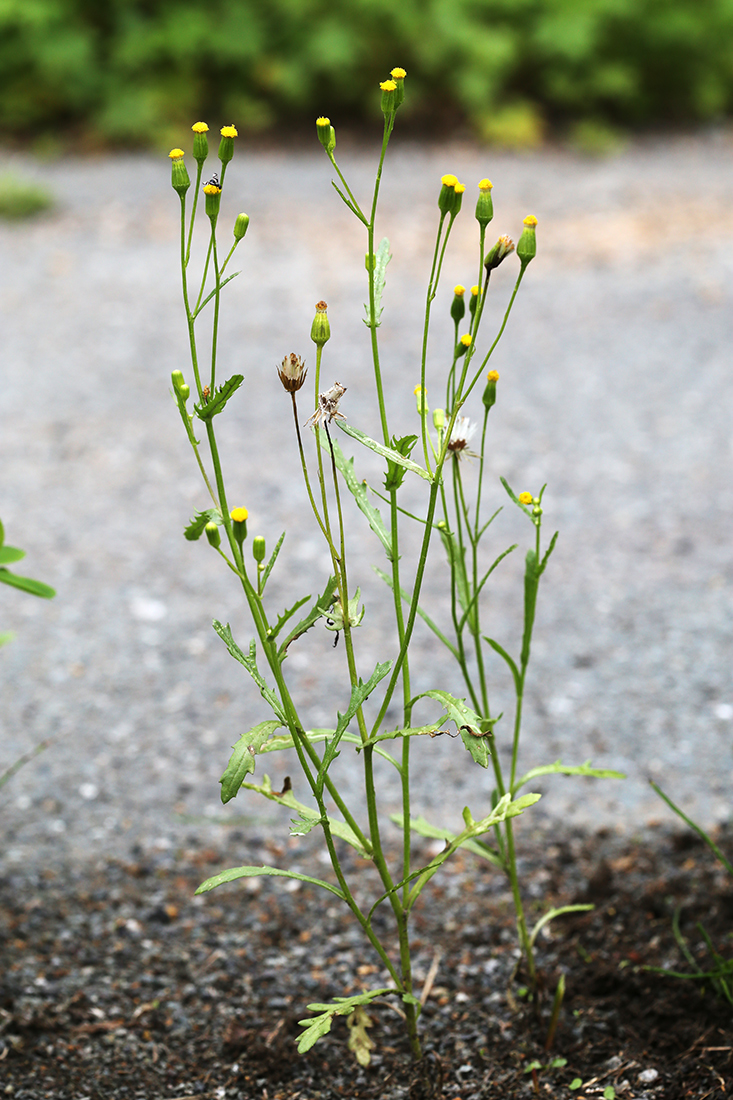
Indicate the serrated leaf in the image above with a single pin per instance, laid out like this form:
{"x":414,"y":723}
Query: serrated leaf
{"x":9,"y":554}
{"x":358,"y":490}
{"x":396,"y":474}
{"x":234,"y":873}
{"x":273,"y":558}
{"x":386,"y":452}
{"x":318,"y":1026}
{"x":250,"y":663}
{"x":242,"y":760}
{"x":27,"y":584}
{"x":195,"y":528}
{"x":471,"y":726}
{"x":319,"y":608}
{"x":219,"y":398}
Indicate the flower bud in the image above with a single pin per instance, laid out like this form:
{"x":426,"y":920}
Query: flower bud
{"x":326,"y":134}
{"x":475,"y":295}
{"x":421,"y":394}
{"x":525,"y":498}
{"x":489,"y":394}
{"x":389,"y":96}
{"x":458,"y":306}
{"x":464,"y":344}
{"x":499,"y":252}
{"x":212,"y":190}
{"x":179,"y":173}
{"x":258,"y":548}
{"x":212,"y":534}
{"x":238,"y":517}
{"x":226,"y":145}
{"x":200,"y":142}
{"x":320,"y":329}
{"x":447,"y":194}
{"x":179,"y":384}
{"x":292,"y":372}
{"x":241,"y":226}
{"x":485,"y":204}
{"x":398,"y":75}
{"x":527,"y":243}
{"x":439,"y":419}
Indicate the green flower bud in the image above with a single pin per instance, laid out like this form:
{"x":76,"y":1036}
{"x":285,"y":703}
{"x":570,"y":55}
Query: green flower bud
{"x":212,"y":190}
{"x":241,"y":226}
{"x":226,"y":145}
{"x":485,"y":204}
{"x":451,"y":195}
{"x":489,"y":394}
{"x":398,"y":75}
{"x":238,"y":517}
{"x":458,"y":305}
{"x":326,"y":134}
{"x":389,"y":96}
{"x":463,"y":344}
{"x":258,"y":548}
{"x":179,"y":173}
{"x":475,"y":295}
{"x":200,"y":142}
{"x":527,"y":243}
{"x":320,"y":329}
{"x":439,"y":419}
{"x":212,"y":534}
{"x":421,"y":395}
{"x":179,"y":385}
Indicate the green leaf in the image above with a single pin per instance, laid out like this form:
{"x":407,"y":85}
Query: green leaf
{"x":558,"y":768}
{"x":273,"y":558}
{"x":242,"y":760}
{"x":473,"y":729}
{"x":551,"y":914}
{"x":319,"y":608}
{"x":477,"y":592}
{"x":360,"y":692}
{"x":358,"y":490}
{"x":512,"y":665}
{"x":320,"y":1025}
{"x":549,"y":550}
{"x":423,"y":828}
{"x":423,"y":615}
{"x":250,"y":663}
{"x":219,"y":398}
{"x":26,"y":584}
{"x":306,"y":814}
{"x":527,"y":511}
{"x":222,"y":284}
{"x":381,"y":260}
{"x":286,"y":616}
{"x":386,"y":452}
{"x":9,"y":554}
{"x":2,"y":533}
{"x":195,"y":528}
{"x":278,"y":744}
{"x":234,"y":873}
{"x":396,"y":474}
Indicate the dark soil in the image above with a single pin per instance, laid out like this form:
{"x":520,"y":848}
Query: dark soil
{"x":116,"y":982}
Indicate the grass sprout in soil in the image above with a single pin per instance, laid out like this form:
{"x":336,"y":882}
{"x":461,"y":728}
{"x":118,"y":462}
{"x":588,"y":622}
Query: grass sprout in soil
{"x":115,"y":981}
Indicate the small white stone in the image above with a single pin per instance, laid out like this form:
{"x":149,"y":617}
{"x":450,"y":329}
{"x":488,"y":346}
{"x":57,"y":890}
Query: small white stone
{"x":648,"y":1076}
{"x":89,"y":791}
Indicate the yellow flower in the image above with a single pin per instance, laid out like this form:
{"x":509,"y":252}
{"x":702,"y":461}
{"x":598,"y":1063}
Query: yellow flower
{"x":239,"y":515}
{"x":492,"y":376}
{"x":459,"y":188}
{"x":525,"y":498}
{"x":467,"y":340}
{"x":176,"y":154}
{"x":449,"y":180}
{"x":459,"y":290}
{"x":417,"y":390}
{"x":229,"y":131}
{"x":485,"y":185}
{"x":199,"y":128}
{"x":530,"y":221}
{"x":323,"y":121}
{"x":475,"y":290}
{"x":398,"y":74}
{"x":388,"y":86}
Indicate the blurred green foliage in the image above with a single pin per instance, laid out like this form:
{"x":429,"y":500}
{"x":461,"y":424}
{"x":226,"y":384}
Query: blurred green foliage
{"x":133,"y":70}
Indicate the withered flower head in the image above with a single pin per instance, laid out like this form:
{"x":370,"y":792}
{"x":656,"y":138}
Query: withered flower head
{"x":292,"y":372}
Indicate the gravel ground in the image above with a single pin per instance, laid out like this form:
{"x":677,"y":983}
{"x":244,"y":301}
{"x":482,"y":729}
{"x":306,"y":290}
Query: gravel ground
{"x":615,"y":389}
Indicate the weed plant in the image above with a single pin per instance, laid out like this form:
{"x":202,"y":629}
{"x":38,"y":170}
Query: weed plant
{"x":452,"y":517}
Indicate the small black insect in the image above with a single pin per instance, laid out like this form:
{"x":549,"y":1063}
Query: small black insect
{"x":214,"y":181}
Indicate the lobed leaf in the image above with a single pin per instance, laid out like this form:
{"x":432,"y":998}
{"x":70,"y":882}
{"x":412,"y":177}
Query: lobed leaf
{"x":250,"y":663}
{"x":195,"y":528}
{"x":220,"y":396}
{"x":242,"y":760}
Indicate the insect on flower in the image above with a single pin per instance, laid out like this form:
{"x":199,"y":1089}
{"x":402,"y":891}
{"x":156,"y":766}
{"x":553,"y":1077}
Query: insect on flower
{"x":214,"y":181}
{"x":328,"y":406}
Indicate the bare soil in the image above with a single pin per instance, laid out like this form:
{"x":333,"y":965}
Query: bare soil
{"x":116,"y":982}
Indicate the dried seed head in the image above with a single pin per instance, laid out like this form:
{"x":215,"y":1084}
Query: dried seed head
{"x":328,"y":406}
{"x":462,"y":434}
{"x":292,"y":372}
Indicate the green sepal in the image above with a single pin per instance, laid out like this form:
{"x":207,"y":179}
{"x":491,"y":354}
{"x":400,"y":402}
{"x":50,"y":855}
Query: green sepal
{"x":196,"y":527}
{"x":9,"y":554}
{"x":396,"y":474}
{"x":26,"y":584}
{"x":319,"y":608}
{"x":219,"y":398}
{"x":382,"y":258}
{"x":242,"y":760}
{"x":250,"y":663}
{"x":234,"y":873}
{"x":474,"y":730}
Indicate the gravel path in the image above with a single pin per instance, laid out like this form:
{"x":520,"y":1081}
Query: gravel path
{"x":616,"y":389}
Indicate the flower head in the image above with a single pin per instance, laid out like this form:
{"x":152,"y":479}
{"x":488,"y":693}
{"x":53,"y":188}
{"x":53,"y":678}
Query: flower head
{"x":462,"y":434}
{"x":228,"y":131}
{"x":176,"y":154}
{"x":492,"y":376}
{"x":398,"y":73}
{"x":239,"y":515}
{"x":292,"y":372}
{"x":525,"y":498}
{"x":200,"y":128}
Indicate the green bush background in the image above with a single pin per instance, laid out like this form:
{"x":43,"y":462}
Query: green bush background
{"x":135,"y":70}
